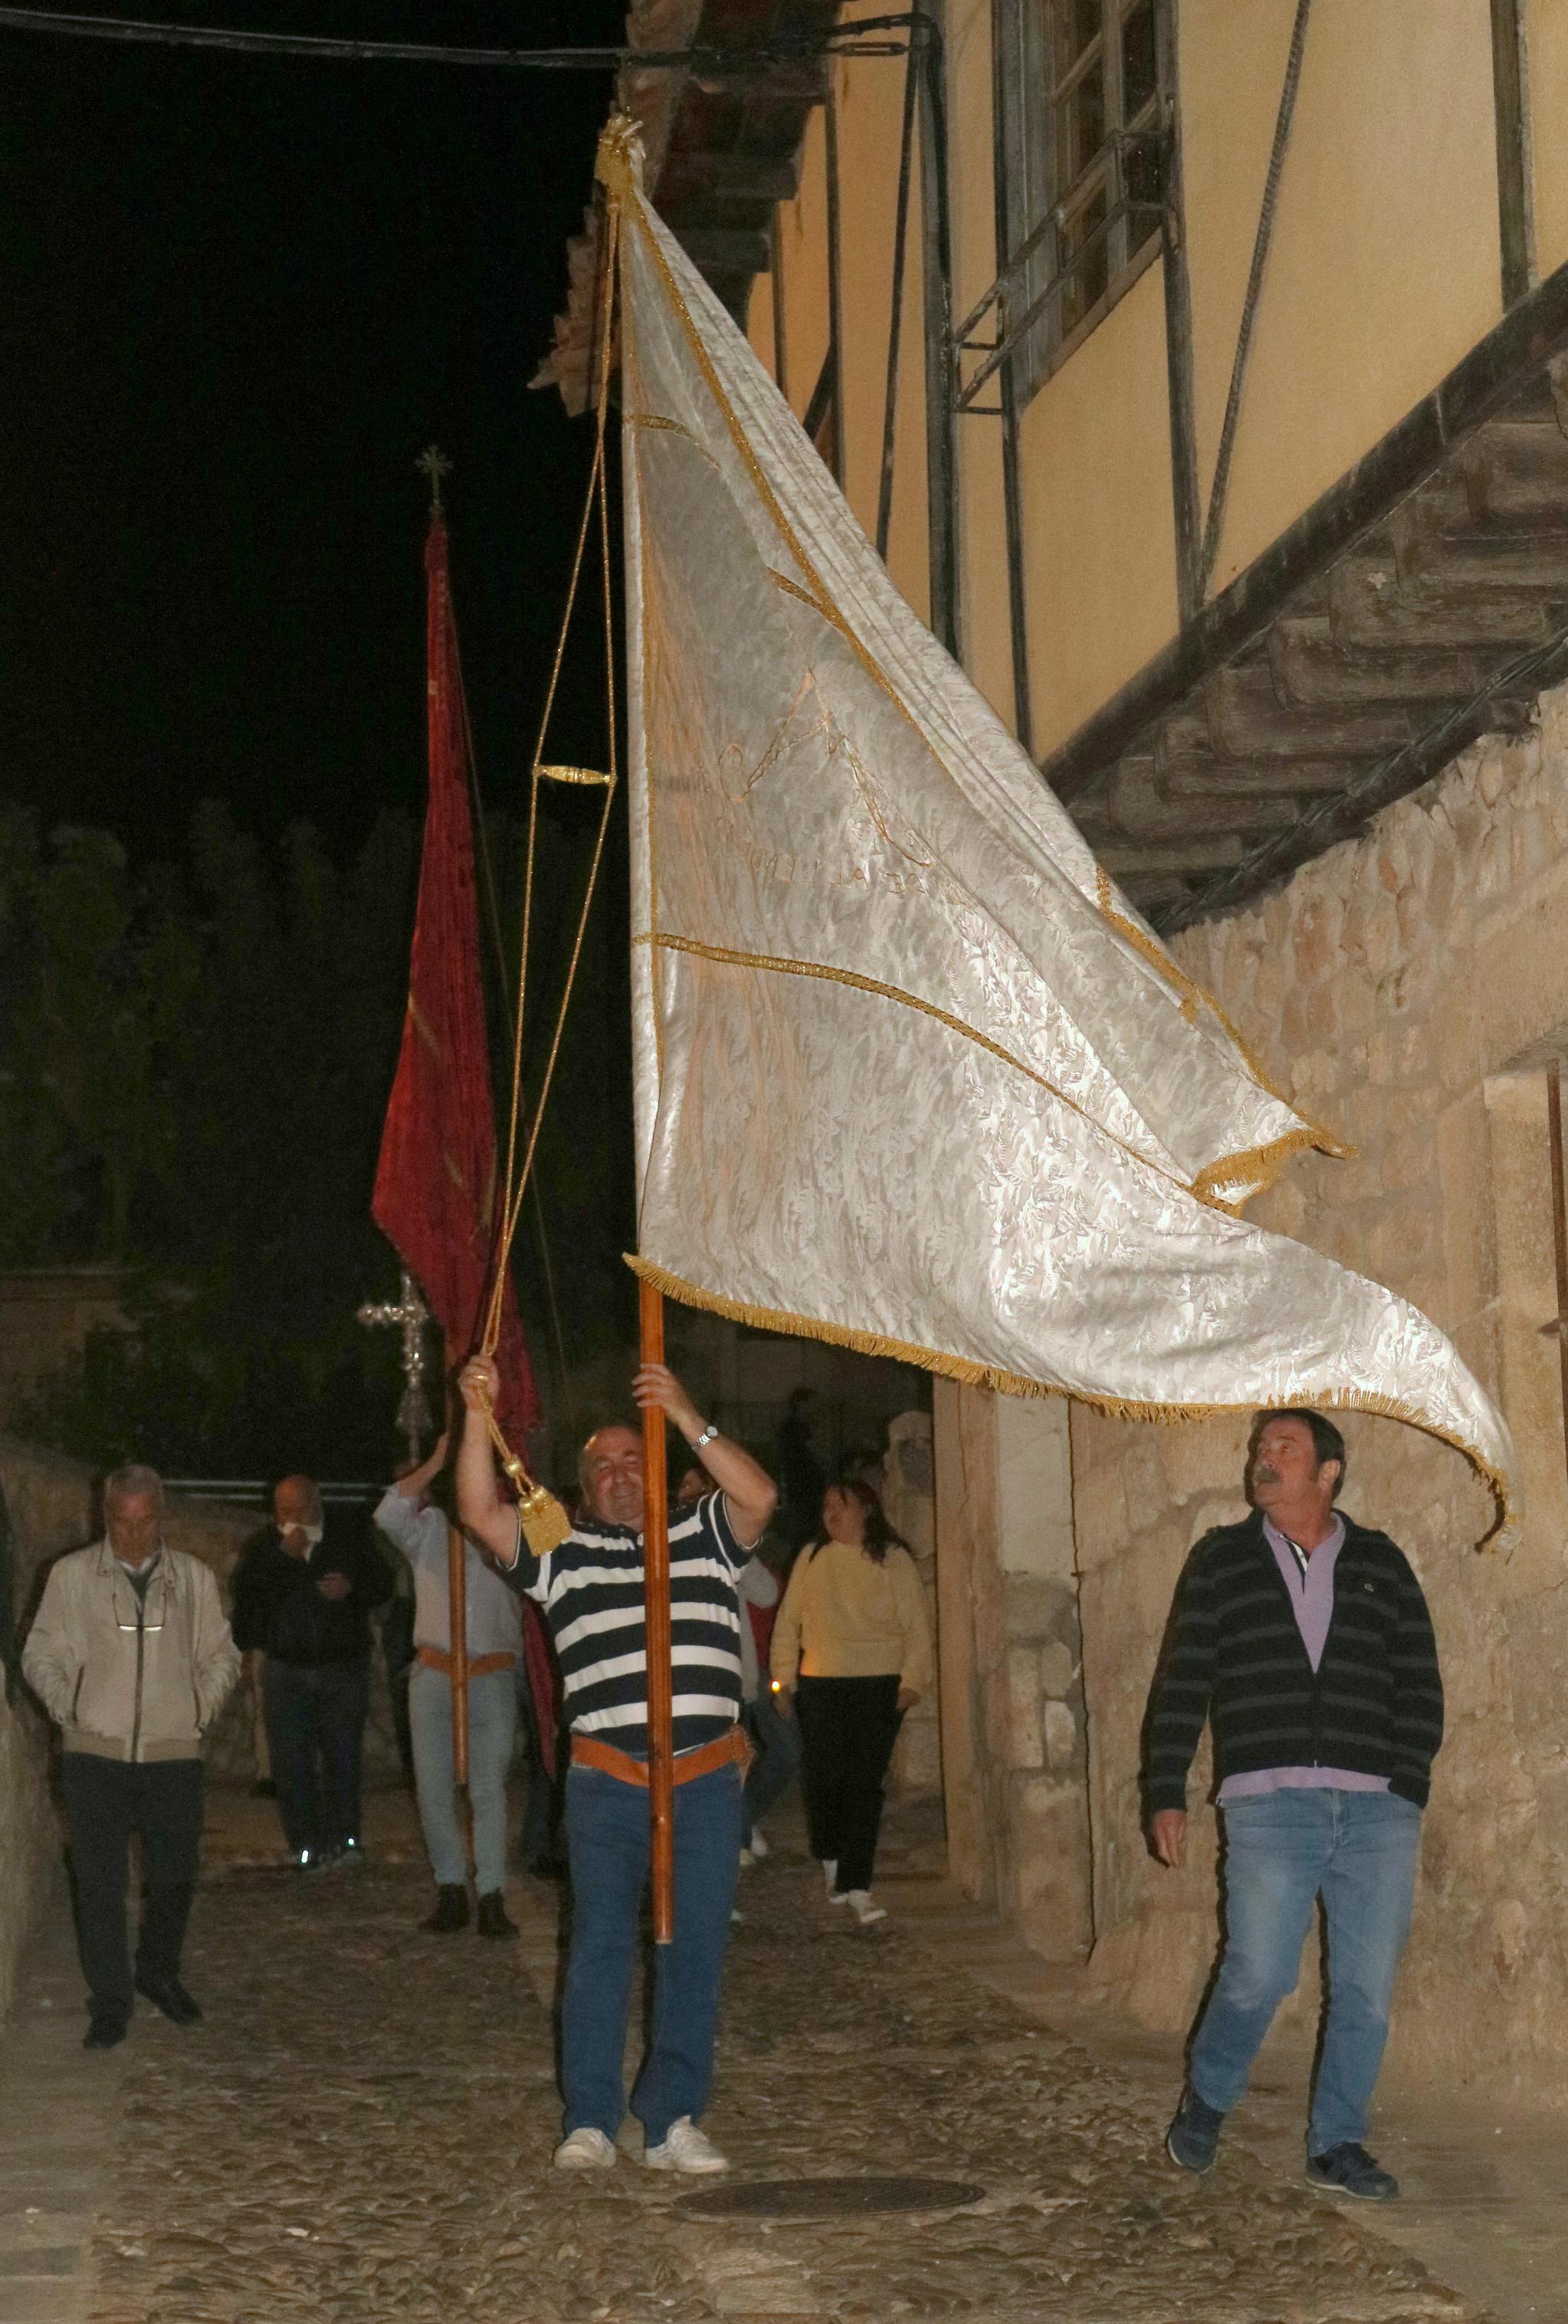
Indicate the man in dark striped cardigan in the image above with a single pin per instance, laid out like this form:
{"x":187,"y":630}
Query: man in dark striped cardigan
{"x":1304,"y":1641}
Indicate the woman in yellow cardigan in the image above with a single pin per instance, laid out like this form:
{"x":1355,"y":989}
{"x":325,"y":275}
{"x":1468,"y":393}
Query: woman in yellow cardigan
{"x":851,"y":1651}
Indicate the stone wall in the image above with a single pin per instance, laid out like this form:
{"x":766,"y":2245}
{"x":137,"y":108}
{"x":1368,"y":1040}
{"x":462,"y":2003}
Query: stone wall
{"x":1407,"y":990}
{"x":1013,"y":1738}
{"x":909,"y":1498}
{"x":48,"y":1506}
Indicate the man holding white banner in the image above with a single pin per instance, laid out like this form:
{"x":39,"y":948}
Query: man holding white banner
{"x":592,"y":1589}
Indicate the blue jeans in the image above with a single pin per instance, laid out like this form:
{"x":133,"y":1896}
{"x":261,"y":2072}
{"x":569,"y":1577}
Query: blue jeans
{"x":778,"y":1760}
{"x":608,"y":1842}
{"x":1283,"y":1851}
{"x":314,"y":1717}
{"x":492,"y":1725}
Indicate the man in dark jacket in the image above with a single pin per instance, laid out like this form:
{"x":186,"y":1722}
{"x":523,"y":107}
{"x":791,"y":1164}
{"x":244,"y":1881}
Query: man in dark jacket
{"x":1303,"y":1639}
{"x":303,"y":1593}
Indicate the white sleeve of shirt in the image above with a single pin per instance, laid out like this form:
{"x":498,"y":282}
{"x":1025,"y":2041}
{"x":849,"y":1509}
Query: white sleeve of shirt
{"x":410,"y":1529}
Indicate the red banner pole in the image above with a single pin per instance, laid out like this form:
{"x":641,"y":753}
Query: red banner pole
{"x":656,"y":1590}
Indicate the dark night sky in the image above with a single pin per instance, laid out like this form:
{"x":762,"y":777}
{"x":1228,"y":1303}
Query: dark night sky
{"x":240,"y":295}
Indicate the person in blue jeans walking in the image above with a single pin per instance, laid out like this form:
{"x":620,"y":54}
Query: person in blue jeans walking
{"x":415,"y":1524}
{"x":592,"y":1591}
{"x":1304,"y":1640}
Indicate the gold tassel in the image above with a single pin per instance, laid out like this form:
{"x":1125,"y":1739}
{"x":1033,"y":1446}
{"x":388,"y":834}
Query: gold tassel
{"x":545,"y":1523}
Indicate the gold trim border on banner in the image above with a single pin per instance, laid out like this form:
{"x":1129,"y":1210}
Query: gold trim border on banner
{"x":971,"y":1374}
{"x":1254,"y":1168}
{"x":673,"y":428}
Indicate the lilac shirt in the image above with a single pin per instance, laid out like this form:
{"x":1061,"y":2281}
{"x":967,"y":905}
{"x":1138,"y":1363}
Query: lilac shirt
{"x":1309,"y":1579}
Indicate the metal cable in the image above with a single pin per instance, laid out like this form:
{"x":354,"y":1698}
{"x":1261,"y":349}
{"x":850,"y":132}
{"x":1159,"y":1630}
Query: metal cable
{"x":721,"y":62}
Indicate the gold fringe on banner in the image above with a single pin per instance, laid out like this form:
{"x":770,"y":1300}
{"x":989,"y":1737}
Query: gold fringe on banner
{"x":973,"y":1375}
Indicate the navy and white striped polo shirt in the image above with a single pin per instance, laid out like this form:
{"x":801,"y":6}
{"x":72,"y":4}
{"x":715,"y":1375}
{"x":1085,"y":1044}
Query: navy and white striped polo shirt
{"x":591,"y":1589}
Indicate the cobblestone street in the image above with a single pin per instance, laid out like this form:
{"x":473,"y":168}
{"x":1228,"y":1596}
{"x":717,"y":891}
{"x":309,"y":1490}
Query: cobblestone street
{"x":362,"y":2130}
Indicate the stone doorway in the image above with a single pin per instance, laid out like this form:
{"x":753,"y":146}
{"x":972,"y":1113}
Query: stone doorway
{"x":1014,"y":1754}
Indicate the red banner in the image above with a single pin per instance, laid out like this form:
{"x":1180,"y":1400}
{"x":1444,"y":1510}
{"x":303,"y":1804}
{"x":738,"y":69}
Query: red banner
{"x":437,"y":1198}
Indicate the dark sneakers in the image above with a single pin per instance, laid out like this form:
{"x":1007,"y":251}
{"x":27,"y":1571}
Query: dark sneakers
{"x":169,"y":1996}
{"x":451,"y":1911}
{"x":104,"y":2033}
{"x":1193,"y":2139}
{"x":1350,"y":2169}
{"x":492,"y":1920}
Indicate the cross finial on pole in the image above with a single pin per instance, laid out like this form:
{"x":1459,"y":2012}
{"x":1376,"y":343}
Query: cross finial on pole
{"x":433,"y":462}
{"x":411,"y":1315}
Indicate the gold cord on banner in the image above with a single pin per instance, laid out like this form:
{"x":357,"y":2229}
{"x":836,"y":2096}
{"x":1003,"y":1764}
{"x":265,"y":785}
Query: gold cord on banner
{"x":545,"y":1524}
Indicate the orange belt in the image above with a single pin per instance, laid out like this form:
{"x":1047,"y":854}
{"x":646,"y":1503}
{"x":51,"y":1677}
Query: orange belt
{"x":479,"y":1666}
{"x":588,"y":1752}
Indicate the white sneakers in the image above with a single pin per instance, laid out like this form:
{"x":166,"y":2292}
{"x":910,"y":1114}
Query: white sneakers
{"x":748,"y":1858}
{"x":586,"y":2149}
{"x":859,"y":1900}
{"x":760,"y":1847}
{"x":684,"y":2148}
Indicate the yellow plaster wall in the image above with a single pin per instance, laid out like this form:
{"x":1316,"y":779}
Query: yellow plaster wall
{"x":803,"y":252}
{"x":1547,"y":50}
{"x":868,"y":94}
{"x":1384,"y":270}
{"x":987,"y":638}
{"x":1385,"y":264}
{"x":760,"y":320}
{"x":1099,"y":555}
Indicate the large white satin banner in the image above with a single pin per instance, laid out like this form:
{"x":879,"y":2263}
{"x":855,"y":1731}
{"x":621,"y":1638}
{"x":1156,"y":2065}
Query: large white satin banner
{"x":909,"y":1074}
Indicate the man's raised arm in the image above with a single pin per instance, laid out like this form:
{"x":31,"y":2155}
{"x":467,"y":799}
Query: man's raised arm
{"x":481,"y":1505}
{"x":749,"y":1492}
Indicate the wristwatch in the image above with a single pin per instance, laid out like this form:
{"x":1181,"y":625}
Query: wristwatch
{"x":709,"y":1432}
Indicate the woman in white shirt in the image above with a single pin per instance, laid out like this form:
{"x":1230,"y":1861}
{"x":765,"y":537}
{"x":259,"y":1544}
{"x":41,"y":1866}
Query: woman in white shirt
{"x":852,"y":1649}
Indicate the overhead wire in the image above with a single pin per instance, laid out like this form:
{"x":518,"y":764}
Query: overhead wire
{"x":725,"y":63}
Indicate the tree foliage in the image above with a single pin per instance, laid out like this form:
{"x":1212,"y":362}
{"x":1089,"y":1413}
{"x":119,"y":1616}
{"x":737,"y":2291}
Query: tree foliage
{"x":195,"y":1059}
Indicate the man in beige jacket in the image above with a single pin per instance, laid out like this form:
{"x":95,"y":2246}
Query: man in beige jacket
{"x":131,"y":1658}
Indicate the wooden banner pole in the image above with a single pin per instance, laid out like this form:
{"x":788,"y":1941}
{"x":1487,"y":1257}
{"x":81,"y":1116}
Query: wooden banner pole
{"x":656,"y":1589}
